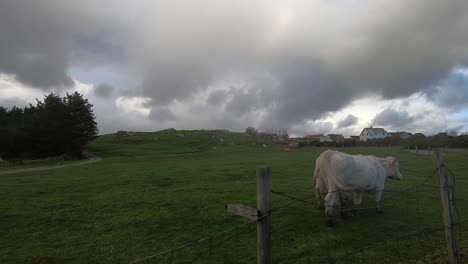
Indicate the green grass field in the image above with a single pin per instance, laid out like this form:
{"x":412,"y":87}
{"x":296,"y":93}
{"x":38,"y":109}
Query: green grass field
{"x":32,"y":164}
{"x":156,"y":191}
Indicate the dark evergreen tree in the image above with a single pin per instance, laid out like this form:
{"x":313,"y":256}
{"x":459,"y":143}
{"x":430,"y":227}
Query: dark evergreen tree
{"x":3,"y":117}
{"x":80,"y":123}
{"x":50,"y":129}
{"x":55,"y":126}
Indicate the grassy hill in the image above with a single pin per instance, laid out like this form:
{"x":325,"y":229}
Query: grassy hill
{"x":156,"y":191}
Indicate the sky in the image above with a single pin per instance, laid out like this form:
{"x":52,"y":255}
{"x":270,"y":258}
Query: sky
{"x":308,"y":67}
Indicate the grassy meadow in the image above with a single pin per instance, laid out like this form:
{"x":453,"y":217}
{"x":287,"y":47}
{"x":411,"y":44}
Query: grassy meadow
{"x":156,"y":191}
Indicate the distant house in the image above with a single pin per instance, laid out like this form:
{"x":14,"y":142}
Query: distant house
{"x":332,"y":138}
{"x":419,"y":135}
{"x":293,"y":142}
{"x":373,"y":133}
{"x":274,"y":136}
{"x":355,"y":138}
{"x":336,"y":137}
{"x":314,"y":137}
{"x":403,"y":135}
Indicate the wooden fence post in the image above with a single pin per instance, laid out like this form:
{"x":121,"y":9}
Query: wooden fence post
{"x":263,"y":207}
{"x":446,"y":197}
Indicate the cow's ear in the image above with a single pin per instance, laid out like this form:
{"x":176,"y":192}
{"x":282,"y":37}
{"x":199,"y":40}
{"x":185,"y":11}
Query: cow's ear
{"x":395,"y":160}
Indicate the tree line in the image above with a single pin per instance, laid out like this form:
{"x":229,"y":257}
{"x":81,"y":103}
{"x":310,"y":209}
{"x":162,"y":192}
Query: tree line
{"x":450,"y":139}
{"x":440,"y":140}
{"x":53,"y":127}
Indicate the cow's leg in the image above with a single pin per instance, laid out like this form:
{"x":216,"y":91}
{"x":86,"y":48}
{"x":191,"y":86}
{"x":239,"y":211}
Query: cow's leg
{"x":343,"y":204}
{"x":357,"y":202}
{"x":318,"y":192}
{"x":378,"y":196}
{"x":330,"y":200}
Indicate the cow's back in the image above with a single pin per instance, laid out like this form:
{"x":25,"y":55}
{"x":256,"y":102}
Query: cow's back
{"x":353,"y":172}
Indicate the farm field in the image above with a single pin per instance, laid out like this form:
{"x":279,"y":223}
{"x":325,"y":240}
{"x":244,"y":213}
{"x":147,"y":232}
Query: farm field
{"x":156,"y":191}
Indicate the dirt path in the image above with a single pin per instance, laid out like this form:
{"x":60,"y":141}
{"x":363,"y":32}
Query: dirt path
{"x":90,"y":159}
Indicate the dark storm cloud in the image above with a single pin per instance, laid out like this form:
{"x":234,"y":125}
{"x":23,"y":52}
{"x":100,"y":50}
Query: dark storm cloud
{"x":305,"y":92}
{"x":100,"y":48}
{"x":299,"y":60}
{"x":38,"y":37}
{"x":217,"y":97}
{"x":165,"y":83}
{"x":242,"y":102}
{"x":391,"y":48}
{"x":451,"y":93}
{"x":103,"y":90}
{"x":393,"y":118}
{"x":256,"y":94}
{"x":161,"y":115}
{"x":413,"y":45}
{"x":349,"y":120}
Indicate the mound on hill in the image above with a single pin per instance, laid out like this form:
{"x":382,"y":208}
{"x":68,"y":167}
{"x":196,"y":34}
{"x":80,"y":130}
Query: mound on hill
{"x":171,"y":141}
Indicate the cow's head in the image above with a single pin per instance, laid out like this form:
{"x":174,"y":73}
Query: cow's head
{"x":394,"y":168}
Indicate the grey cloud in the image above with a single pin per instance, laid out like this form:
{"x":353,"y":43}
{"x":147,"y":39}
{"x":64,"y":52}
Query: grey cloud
{"x":165,"y":83}
{"x":217,"y":97}
{"x":254,"y":96}
{"x":408,"y":47}
{"x":103,"y":90}
{"x":100,"y":48}
{"x":317,"y":127}
{"x":161,"y":114}
{"x":349,"y":120}
{"x":392,"y":118}
{"x":314,"y":63}
{"x":38,"y":38}
{"x":305,"y":92}
{"x":241,"y":103}
{"x":451,"y":93}
{"x":9,"y":103}
{"x":319,"y":69}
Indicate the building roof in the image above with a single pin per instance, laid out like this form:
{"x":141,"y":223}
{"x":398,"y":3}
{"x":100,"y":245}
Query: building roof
{"x":335,"y":136}
{"x":375,"y":130}
{"x":314,"y":136}
{"x":294,"y":139}
{"x":398,"y":134}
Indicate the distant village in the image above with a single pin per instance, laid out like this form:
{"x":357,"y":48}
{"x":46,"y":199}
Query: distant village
{"x":370,"y":136}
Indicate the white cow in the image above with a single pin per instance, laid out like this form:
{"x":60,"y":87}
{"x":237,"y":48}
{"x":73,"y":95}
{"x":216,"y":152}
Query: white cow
{"x":340,"y":172}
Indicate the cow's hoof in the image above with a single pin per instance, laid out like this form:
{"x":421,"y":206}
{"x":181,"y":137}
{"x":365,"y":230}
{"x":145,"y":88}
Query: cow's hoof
{"x":330,"y":222}
{"x":379,"y":211}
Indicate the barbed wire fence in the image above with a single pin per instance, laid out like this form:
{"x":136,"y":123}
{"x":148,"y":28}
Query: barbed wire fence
{"x":394,"y":249}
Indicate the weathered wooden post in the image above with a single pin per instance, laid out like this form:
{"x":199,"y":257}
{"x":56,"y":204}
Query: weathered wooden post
{"x":263,"y":207}
{"x":261,"y":214}
{"x":446,"y":196}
